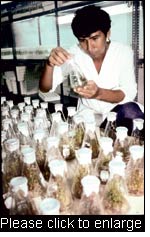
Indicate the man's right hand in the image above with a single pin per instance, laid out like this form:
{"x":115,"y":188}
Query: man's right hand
{"x":58,"y":56}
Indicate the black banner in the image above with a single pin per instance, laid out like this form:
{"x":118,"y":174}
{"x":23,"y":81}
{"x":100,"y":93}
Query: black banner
{"x":73,"y":223}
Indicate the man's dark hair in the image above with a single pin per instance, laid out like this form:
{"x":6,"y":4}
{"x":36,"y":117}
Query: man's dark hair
{"x":90,"y":19}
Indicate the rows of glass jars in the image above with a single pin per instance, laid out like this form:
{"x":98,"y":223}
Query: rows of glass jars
{"x":61,"y":161}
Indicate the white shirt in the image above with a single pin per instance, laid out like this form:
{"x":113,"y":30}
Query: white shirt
{"x":117,"y":72}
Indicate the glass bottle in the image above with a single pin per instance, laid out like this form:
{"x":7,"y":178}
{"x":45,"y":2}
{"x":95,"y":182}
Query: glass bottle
{"x":66,"y":142}
{"x":3,"y":139}
{"x":44,"y":106}
{"x":20,"y":200}
{"x":110,"y":129}
{"x":138,"y":133}
{"x":31,"y":171}
{"x":23,"y":135}
{"x":27,"y":100}
{"x":7,"y":126}
{"x":135,"y":171}
{"x":5,"y":112}
{"x":15,"y":119}
{"x":71,"y":112}
{"x":105,"y":156}
{"x":52,"y":153}
{"x":58,"y":186}
{"x":115,"y":192}
{"x":122,"y":143}
{"x":74,"y":73}
{"x":84,"y":167}
{"x":50,"y":206}
{"x":90,"y":202}
{"x":29,"y":111}
{"x":59,"y":109}
{"x":79,"y":128}
{"x":12,"y":162}
{"x":21,"y":106}
{"x":25,"y":117}
{"x":35,"y":104}
{"x":90,"y":138}
{"x":40,"y":149}
{"x":56,"y":120}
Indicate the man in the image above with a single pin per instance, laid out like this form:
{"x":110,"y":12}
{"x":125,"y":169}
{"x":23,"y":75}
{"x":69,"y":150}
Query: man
{"x":108,"y":67}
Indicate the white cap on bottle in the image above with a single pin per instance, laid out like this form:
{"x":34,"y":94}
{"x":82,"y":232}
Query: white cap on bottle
{"x":39,"y":134}
{"x":52,"y":142}
{"x":117,"y":166}
{"x":58,"y":167}
{"x":111,"y":116}
{"x":138,"y":123}
{"x":10,"y":103}
{"x":3,"y":99}
{"x":28,"y":109}
{"x":21,"y":106}
{"x":14,"y":113}
{"x":121,"y":133}
{"x":19,"y":183}
{"x":12,"y":144}
{"x":106,"y":144}
{"x":136,"y":151}
{"x":27,"y":100}
{"x":50,"y":206}
{"x":71,"y":110}
{"x":90,"y":184}
{"x":58,"y":107}
{"x":84,"y":155}
{"x":28,"y":155}
{"x":35,"y":103}
{"x":23,"y":128}
{"x":44,"y":105}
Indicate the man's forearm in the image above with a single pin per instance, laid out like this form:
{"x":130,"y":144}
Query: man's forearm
{"x":113,"y":96}
{"x":46,"y":80}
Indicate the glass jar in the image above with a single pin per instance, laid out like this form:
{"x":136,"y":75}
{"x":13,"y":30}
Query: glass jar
{"x":44,"y":106}
{"x":50,"y":206}
{"x":52,"y":153}
{"x":79,"y":128}
{"x":135,"y":171}
{"x":66,"y":141}
{"x":90,"y":202}
{"x":84,"y":167}
{"x":138,"y":131}
{"x":56,"y":120}
{"x":71,"y":112}
{"x":74,"y":73}
{"x":90,"y":138}
{"x":105,"y":156}
{"x":31,"y":171}
{"x":59,"y":109}
{"x":40,"y":149}
{"x":23,"y":135}
{"x":12,"y":162}
{"x":58,"y":186}
{"x":122,"y":143}
{"x":20,"y":200}
{"x":110,"y":129}
{"x":115,"y":192}
{"x":27,"y":100}
{"x":35,"y":104}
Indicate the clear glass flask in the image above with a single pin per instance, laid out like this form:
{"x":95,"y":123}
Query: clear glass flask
{"x":90,"y":202}
{"x":135,"y":171}
{"x":115,"y":193}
